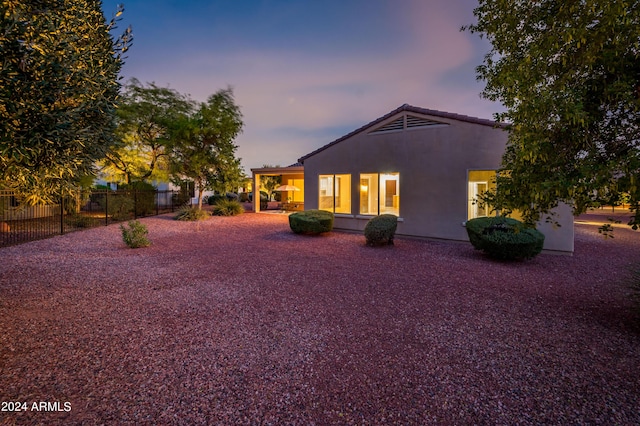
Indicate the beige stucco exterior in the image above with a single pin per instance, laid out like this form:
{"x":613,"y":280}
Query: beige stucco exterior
{"x":433,"y":163}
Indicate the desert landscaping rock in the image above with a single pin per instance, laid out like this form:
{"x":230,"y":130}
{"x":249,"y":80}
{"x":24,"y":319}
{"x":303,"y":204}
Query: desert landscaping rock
{"x":236,"y":320}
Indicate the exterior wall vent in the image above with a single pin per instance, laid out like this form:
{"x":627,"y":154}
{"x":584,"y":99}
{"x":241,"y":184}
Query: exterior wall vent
{"x":397,"y":124}
{"x":411,"y":122}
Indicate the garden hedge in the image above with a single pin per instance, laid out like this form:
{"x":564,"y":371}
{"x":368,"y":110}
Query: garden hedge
{"x":311,"y":222}
{"x":381,"y":229}
{"x":504,"y":238}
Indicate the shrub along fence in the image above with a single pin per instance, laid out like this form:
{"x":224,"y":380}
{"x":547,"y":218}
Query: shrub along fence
{"x":20,"y":223}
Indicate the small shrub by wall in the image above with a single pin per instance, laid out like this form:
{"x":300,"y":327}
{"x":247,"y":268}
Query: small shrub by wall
{"x":504,"y":238}
{"x":380,"y":230}
{"x":311,"y":222}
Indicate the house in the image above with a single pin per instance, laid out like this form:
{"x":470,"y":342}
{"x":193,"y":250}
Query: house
{"x":426,"y":167}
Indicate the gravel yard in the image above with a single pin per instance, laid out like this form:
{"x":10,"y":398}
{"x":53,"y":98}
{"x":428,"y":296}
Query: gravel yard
{"x":239,"y":321}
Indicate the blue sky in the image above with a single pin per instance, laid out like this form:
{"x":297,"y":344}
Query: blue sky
{"x":306,"y":72}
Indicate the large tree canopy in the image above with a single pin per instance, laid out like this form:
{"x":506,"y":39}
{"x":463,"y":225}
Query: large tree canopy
{"x":145,"y":114}
{"x":58,"y":88}
{"x":202,"y":145}
{"x":568,"y":73}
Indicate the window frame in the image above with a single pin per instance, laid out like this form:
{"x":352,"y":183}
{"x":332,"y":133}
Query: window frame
{"x":379,"y":195}
{"x":334,"y":191}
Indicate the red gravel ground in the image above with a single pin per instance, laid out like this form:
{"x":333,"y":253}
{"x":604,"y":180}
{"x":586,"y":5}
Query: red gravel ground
{"x":239,"y":321}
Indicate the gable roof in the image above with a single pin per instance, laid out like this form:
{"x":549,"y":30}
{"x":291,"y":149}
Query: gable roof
{"x":413,"y":109}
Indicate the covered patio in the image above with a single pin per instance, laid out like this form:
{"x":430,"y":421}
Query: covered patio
{"x":292,"y":177}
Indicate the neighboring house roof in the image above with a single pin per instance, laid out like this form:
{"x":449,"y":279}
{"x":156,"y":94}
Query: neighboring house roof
{"x":415,"y":110}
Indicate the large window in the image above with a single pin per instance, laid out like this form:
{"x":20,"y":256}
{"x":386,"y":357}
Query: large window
{"x":335,"y":193}
{"x":380,"y":193}
{"x":479,"y":182}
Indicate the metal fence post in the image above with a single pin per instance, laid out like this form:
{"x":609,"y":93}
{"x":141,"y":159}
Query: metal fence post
{"x":106,"y":207}
{"x":61,"y":213}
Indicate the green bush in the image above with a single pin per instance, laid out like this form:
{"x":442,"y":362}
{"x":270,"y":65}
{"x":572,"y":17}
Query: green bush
{"x":81,"y":221}
{"x":189,"y":213}
{"x":311,"y":222}
{"x":135,"y":235}
{"x":381,"y":229}
{"x":144,"y":196}
{"x":225,"y":207}
{"x":118,"y":205}
{"x":73,"y":201}
{"x":504,"y":238}
{"x":213,"y":199}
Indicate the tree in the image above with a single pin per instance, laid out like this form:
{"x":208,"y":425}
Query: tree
{"x":270,"y":183}
{"x":58,"y":90}
{"x":568,"y":73}
{"x":144,"y":116}
{"x":202,"y":145}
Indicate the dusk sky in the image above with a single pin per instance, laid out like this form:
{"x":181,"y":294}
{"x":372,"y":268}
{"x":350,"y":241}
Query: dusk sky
{"x":306,"y":72}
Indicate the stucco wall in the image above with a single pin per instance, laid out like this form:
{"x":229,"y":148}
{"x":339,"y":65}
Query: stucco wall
{"x":433,"y":163}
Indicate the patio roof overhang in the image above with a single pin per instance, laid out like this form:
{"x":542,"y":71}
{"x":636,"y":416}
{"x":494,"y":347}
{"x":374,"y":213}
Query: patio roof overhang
{"x":295,"y":169}
{"x":277,"y":171}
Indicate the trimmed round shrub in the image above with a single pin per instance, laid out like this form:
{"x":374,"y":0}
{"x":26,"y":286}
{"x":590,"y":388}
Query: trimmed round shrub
{"x":504,"y":238}
{"x":226,"y":207}
{"x":311,"y":222}
{"x":380,"y":230}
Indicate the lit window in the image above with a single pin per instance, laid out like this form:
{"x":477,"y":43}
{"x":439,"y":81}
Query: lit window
{"x":335,"y":193}
{"x":380,"y":193}
{"x":479,"y":182}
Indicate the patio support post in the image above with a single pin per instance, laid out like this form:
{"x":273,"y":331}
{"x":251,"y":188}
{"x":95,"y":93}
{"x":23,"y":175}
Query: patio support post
{"x":256,"y":192}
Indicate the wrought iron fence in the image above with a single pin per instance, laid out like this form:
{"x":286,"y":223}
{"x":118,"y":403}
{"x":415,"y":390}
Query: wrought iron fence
{"x":20,"y":223}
